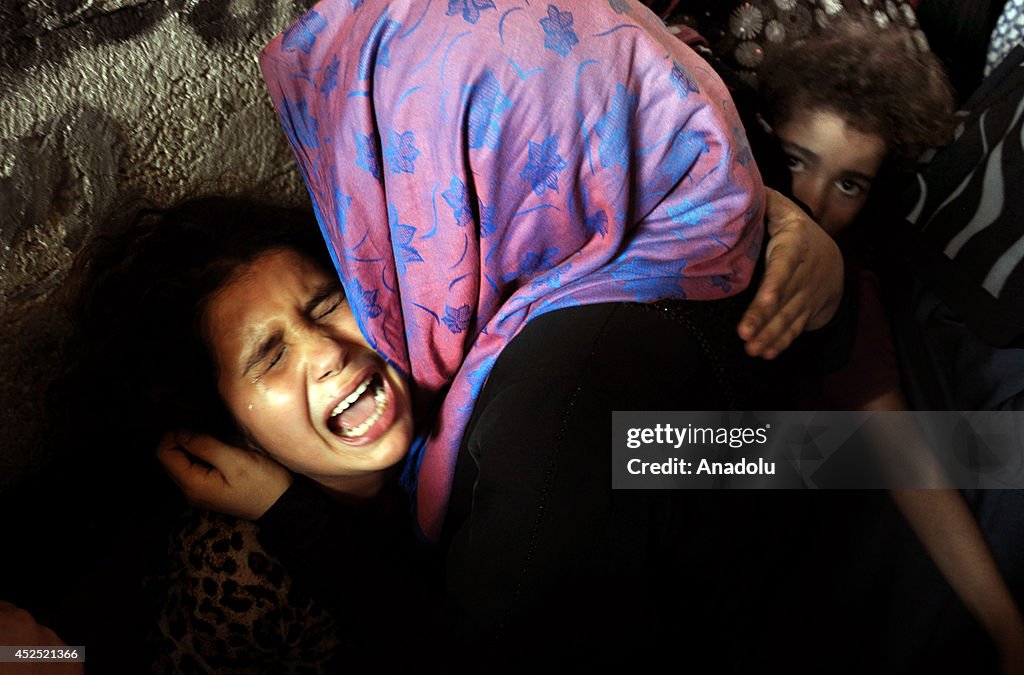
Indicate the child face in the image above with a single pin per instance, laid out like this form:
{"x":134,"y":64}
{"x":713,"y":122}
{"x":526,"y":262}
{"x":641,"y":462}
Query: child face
{"x":299,"y":377}
{"x":833,"y":165}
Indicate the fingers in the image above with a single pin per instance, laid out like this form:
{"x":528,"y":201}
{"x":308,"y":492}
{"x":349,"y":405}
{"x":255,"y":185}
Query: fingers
{"x":196,"y":469}
{"x":802,"y":284}
{"x":762,"y":308}
{"x":779,"y":329}
{"x":173,"y":458}
{"x":778,"y":334}
{"x":221,"y":456}
{"x":779,"y":286}
{"x":184,"y":452}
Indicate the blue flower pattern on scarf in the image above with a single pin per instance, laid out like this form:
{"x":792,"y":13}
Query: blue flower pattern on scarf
{"x":640,"y":277}
{"x":682,"y":80}
{"x":330,"y":80}
{"x":470,"y":9}
{"x":613,"y":129}
{"x":596,"y":224}
{"x":689,"y":213}
{"x":486,"y":220}
{"x":543,"y":165}
{"x":364,"y":301}
{"x":559,"y":35}
{"x":457,"y":319}
{"x":489,"y":106}
{"x":458,"y":199}
{"x":684,"y":151}
{"x":366,"y":156}
{"x":742,"y":147}
{"x":402,"y":235}
{"x":302,"y":35}
{"x":401,"y":152}
{"x":342,"y":203}
{"x":619,"y":6}
{"x":536,"y":261}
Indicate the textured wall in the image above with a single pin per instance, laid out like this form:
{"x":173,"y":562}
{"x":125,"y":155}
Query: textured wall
{"x":102,"y":102}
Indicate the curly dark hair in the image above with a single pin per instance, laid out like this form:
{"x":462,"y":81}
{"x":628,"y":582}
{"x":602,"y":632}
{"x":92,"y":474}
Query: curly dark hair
{"x":137,"y":361}
{"x":878,"y":79}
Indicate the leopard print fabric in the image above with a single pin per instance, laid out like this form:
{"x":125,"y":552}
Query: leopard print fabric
{"x":224,"y":605}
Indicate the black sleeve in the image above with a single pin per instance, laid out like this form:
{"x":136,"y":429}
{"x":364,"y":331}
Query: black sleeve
{"x":541,"y":547}
{"x":833,"y":342}
{"x":296,"y":520}
{"x":322,"y":545}
{"x":543,"y":552}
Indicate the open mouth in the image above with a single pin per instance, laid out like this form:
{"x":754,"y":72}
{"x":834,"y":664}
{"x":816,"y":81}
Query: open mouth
{"x":358,"y":416}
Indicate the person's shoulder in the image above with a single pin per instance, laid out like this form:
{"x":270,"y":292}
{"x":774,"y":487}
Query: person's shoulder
{"x":593,"y":359}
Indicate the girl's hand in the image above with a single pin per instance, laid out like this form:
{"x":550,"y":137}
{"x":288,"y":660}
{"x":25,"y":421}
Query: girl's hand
{"x":802,"y":285}
{"x":220,"y":477}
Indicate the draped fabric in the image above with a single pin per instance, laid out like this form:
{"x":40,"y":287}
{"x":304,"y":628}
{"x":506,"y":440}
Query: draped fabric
{"x":966,"y":210}
{"x":477,"y":163}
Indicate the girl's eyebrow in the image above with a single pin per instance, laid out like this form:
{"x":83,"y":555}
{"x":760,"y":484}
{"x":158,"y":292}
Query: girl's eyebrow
{"x":801,"y":149}
{"x":861,"y":176}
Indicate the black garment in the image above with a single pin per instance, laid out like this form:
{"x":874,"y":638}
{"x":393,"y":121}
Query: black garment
{"x":545,"y":561}
{"x":365,"y":567}
{"x":542,"y":552}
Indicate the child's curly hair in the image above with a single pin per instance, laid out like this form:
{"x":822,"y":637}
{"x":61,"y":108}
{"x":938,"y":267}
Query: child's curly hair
{"x":878,"y":79}
{"x":138,"y":360}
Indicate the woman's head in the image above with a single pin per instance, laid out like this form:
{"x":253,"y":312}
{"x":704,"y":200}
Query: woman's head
{"x":530,"y":160}
{"x":847,"y":104}
{"x":203,"y":317}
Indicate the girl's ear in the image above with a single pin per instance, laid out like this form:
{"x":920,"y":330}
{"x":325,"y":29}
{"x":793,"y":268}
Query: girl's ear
{"x":765,"y":125}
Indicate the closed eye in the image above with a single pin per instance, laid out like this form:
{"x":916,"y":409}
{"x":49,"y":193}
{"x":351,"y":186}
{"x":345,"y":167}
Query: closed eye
{"x":328,"y":305}
{"x":276,"y":359}
{"x":274,"y":351}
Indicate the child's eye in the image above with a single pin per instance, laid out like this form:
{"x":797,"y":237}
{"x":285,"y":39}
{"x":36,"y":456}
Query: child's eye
{"x":851,"y":188}
{"x":278,"y":355}
{"x":794,"y":163}
{"x":328,"y":306}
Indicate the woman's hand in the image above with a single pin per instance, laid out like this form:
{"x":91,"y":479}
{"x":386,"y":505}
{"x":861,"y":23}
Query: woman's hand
{"x":226,"y":479}
{"x":802,"y":285}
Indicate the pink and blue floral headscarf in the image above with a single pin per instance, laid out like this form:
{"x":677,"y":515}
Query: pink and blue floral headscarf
{"x":477,"y":163}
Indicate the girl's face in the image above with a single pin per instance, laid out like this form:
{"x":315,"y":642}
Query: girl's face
{"x":833,"y":165}
{"x":300,"y":379}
